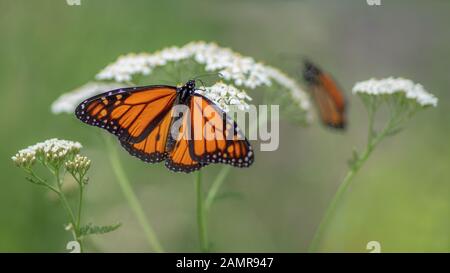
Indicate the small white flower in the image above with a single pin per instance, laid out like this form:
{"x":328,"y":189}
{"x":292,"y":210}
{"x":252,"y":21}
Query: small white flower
{"x":80,"y":164}
{"x":24,"y":159}
{"x":225,"y":95}
{"x":67,"y":102}
{"x":50,"y":151}
{"x":412,"y":91}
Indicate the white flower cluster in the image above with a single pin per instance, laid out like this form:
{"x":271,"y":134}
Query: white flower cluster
{"x":242,"y":71}
{"x":225,"y":95}
{"x":24,"y":158}
{"x":232,"y":66}
{"x":297,"y":92}
{"x":50,"y":151}
{"x":67,"y":102}
{"x":391,"y":85}
{"x":80,"y":164}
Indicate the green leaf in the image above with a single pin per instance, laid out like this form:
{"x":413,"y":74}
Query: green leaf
{"x":90,"y":229}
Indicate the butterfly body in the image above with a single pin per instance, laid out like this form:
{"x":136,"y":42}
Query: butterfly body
{"x":166,"y":123}
{"x":327,"y":94}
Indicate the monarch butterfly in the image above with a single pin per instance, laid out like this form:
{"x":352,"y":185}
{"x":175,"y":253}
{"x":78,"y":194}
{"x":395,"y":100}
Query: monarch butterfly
{"x":145,"y":120}
{"x":327,"y":94}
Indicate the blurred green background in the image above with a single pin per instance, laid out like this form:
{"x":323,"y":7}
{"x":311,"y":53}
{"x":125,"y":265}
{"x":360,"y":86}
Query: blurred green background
{"x":400,"y":198}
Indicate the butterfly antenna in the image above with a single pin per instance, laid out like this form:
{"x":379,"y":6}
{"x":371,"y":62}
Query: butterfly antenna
{"x":208,"y":75}
{"x":203,"y":85}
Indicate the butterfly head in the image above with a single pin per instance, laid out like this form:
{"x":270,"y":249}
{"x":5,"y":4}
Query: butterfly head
{"x":190,"y":85}
{"x":186,"y":91}
{"x":310,"y":72}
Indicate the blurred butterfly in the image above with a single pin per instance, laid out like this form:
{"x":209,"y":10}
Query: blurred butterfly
{"x":327,"y":95}
{"x":150,"y":125}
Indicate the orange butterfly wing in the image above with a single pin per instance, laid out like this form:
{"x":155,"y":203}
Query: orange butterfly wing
{"x":216,"y":138}
{"x":153,"y":148}
{"x":179,"y":149}
{"x":331,"y":102}
{"x":327,"y":95}
{"x":129,"y":113}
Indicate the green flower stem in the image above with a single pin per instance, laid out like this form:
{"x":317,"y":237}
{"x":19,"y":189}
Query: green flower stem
{"x":64,"y":200}
{"x":66,"y":205}
{"x":80,"y":203}
{"x":130,"y":196}
{"x":204,"y":204}
{"x":201,"y":214}
{"x":215,"y":186}
{"x":75,"y":223}
{"x":373,"y":140}
{"x":39,"y":181}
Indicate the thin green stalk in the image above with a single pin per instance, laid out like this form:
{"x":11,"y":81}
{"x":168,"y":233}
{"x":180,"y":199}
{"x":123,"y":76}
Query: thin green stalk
{"x":215,"y":186}
{"x":80,"y":202}
{"x":130,"y":196}
{"x":66,"y":205}
{"x":373,"y":140}
{"x":39,"y":181}
{"x":75,"y":222}
{"x":64,"y":200}
{"x":334,"y":202}
{"x":79,"y":221}
{"x":330,"y":210}
{"x":201,"y":215}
